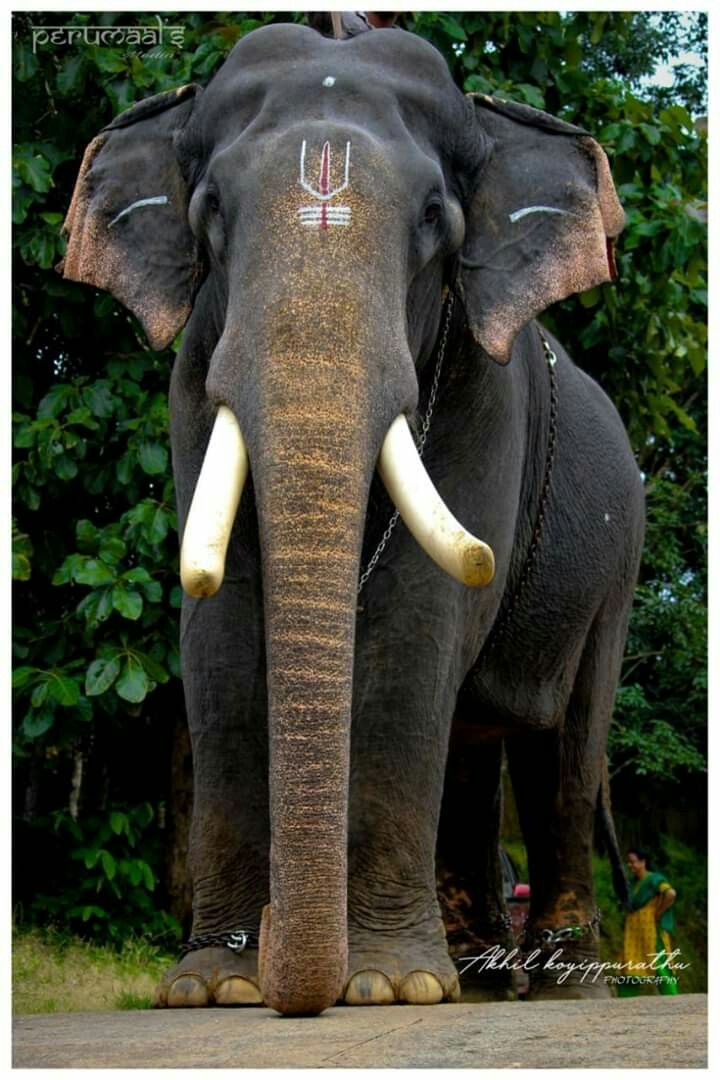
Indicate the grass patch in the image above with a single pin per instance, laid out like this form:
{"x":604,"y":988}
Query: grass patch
{"x":54,"y":972}
{"x":129,"y":999}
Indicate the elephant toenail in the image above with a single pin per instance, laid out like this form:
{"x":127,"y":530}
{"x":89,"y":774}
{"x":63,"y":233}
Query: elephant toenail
{"x":187,"y":992}
{"x":420,"y":988}
{"x":369,"y":988}
{"x":237,"y":991}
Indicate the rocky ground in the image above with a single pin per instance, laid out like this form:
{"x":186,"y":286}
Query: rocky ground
{"x":649,"y":1032}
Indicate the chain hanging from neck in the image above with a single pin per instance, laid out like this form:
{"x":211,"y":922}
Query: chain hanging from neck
{"x":510,"y":603}
{"x":421,"y":440}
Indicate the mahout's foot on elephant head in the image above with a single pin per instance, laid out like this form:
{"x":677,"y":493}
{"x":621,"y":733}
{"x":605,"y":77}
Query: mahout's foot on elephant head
{"x":408,"y":966}
{"x":212,"y":976}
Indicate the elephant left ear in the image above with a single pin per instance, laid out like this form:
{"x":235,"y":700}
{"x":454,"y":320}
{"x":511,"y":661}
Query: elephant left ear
{"x":541,"y":224}
{"x":127,"y":225}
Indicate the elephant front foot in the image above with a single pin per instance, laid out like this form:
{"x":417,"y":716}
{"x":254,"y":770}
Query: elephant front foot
{"x":212,"y":976}
{"x":568,"y":970}
{"x":400,"y":967}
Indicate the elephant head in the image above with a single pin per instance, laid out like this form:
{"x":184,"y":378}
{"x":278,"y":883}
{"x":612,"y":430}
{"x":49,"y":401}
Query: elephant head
{"x":308,"y":207}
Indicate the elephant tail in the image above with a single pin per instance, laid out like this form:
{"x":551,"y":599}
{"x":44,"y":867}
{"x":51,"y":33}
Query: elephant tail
{"x":609,"y":837}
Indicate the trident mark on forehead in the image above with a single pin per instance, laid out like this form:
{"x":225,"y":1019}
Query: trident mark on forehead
{"x":324,"y":193}
{"x":324,"y":215}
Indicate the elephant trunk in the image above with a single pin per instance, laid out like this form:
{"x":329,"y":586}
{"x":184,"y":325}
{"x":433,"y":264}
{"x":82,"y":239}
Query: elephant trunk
{"x":312,"y":470}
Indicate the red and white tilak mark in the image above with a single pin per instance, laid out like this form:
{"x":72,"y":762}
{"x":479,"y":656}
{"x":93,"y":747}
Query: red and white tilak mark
{"x":324,"y":214}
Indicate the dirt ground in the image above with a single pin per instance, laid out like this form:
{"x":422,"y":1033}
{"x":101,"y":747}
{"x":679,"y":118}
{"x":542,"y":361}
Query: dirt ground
{"x":561,"y":1034}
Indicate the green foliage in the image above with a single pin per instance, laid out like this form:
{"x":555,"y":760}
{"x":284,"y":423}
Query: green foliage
{"x":94,"y":536}
{"x":108,"y":858}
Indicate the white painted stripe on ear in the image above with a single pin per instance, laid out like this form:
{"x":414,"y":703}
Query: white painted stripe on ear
{"x":154,"y":200}
{"x":517,"y":214}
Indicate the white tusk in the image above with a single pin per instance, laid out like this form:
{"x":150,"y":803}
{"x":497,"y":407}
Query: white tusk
{"x":438,"y":533}
{"x":213,"y":508}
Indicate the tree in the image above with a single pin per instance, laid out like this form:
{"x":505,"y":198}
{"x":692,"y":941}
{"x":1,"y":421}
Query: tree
{"x":98,"y":698}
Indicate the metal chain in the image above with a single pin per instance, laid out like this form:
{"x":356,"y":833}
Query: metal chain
{"x":422,"y":438}
{"x":236,"y":940}
{"x":547,"y":937}
{"x":501,"y":625}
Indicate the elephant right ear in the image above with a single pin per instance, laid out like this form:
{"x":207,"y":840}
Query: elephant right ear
{"x":541,"y":223}
{"x":127,"y":225}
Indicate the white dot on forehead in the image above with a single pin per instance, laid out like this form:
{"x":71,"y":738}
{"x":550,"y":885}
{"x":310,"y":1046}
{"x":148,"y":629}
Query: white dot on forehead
{"x":329,"y":81}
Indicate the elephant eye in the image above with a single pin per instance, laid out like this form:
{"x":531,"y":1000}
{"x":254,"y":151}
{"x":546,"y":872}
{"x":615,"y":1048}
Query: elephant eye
{"x":212,"y":202}
{"x":433,"y":212}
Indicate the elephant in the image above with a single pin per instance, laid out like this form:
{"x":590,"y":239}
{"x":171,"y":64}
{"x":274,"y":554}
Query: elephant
{"x":411,"y":526}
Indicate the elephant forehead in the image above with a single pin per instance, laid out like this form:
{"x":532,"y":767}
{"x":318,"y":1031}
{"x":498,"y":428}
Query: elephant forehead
{"x":383,"y":80}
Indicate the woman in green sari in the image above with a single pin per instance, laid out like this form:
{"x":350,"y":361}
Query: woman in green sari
{"x":648,"y":926}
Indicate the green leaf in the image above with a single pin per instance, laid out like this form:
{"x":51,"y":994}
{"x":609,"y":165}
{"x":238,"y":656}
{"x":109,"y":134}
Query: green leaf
{"x":136,"y":575}
{"x":652,"y":134}
{"x":94,"y":572}
{"x":148,"y":877}
{"x":87,"y":535}
{"x":26,"y":64}
{"x":100,"y":399}
{"x":22,"y":676}
{"x":152,"y":591}
{"x":64,"y":690}
{"x":133,"y":684}
{"x":39,"y":694}
{"x":110,"y":61}
{"x":34,"y":169}
{"x":55,"y":401}
{"x":128,"y":602}
{"x":531,"y":94}
{"x":452,"y":28}
{"x":22,"y":550}
{"x":84,"y":710}
{"x":21,"y":568}
{"x":134,"y":871}
{"x":105,"y":605}
{"x":36,"y":724}
{"x":573,"y":53}
{"x":100,"y":676}
{"x":70,"y":78}
{"x":598,"y":27}
{"x":154,"y":669}
{"x":112,"y":549}
{"x":91,"y":911}
{"x":65,"y":467}
{"x":591,"y":298}
{"x":153,"y":458}
{"x":108,"y":864}
{"x":118,"y":822}
{"x":159,"y":526}
{"x":124,"y":469}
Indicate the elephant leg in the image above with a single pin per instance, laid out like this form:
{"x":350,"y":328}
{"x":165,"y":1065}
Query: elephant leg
{"x":396,"y":936}
{"x":224,"y":677}
{"x":556,"y":777}
{"x":470,"y":878}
